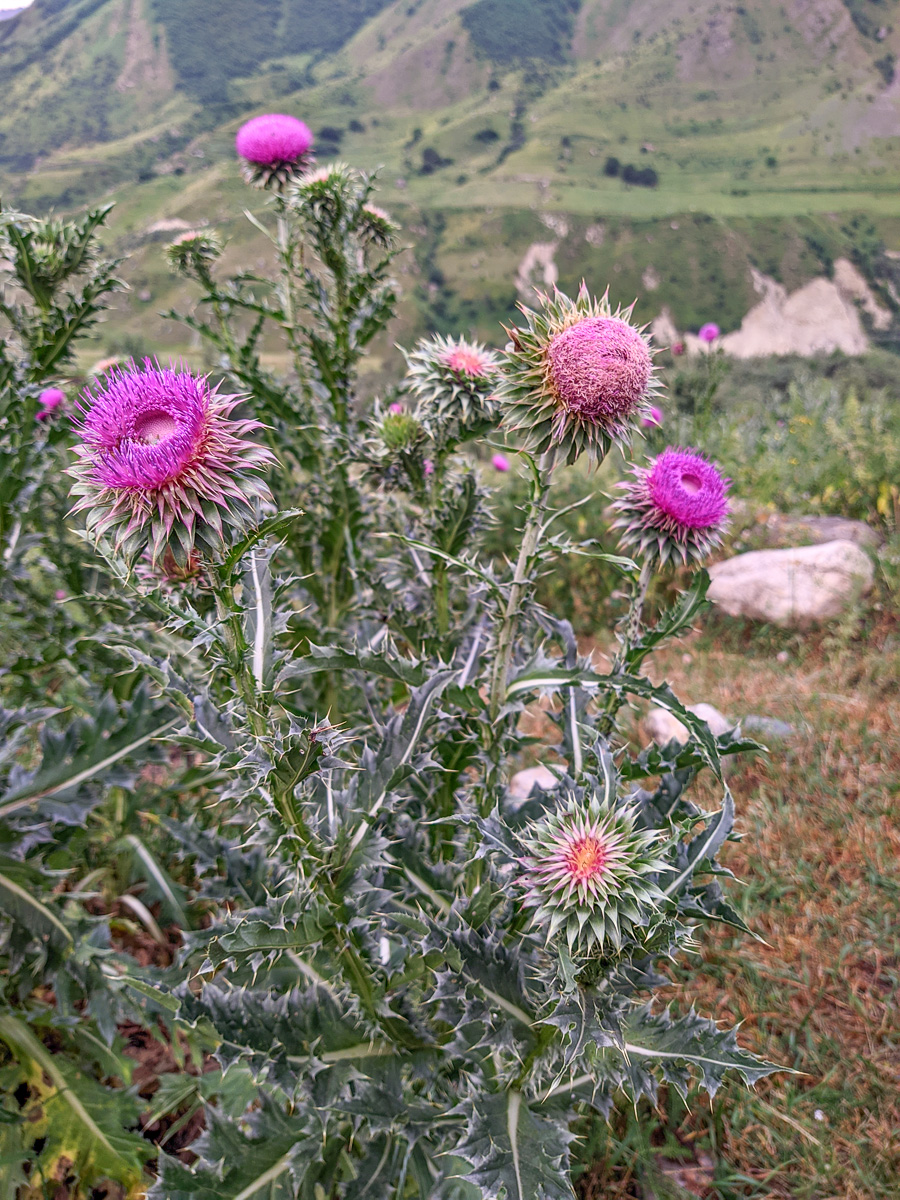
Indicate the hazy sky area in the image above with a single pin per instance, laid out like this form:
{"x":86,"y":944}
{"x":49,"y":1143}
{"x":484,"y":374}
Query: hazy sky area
{"x":6,"y":4}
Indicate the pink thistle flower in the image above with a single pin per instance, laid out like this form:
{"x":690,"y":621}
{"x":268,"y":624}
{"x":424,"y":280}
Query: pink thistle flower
{"x":102,"y":365}
{"x":273,"y":140}
{"x":50,"y":399}
{"x":586,"y":871}
{"x":163,"y":464}
{"x":578,"y":376}
{"x":709,"y":332}
{"x":652,"y":418}
{"x":395,"y":408}
{"x":275,"y":146}
{"x":678,"y":349}
{"x":677,"y":507}
{"x":61,"y":594}
{"x":600,"y":369}
{"x":377,"y":226}
{"x":500,"y":462}
{"x":428,"y":466}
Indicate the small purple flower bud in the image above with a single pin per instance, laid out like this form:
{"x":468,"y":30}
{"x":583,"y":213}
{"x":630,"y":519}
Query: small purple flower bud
{"x":500,"y":462}
{"x":61,"y":593}
{"x":50,"y":399}
{"x":428,"y":466}
{"x":395,"y":408}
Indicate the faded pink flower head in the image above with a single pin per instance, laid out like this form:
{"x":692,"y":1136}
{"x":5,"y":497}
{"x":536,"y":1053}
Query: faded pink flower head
{"x":500,"y":462}
{"x":652,"y":418}
{"x":676,"y":507}
{"x":61,"y":593}
{"x":273,"y":140}
{"x":678,"y":349}
{"x":600,"y":368}
{"x":395,"y":408}
{"x":428,"y":466}
{"x":161,"y":456}
{"x":709,"y":332}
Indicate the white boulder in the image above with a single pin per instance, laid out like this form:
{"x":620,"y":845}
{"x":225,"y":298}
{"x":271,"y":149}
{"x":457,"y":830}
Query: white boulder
{"x":661,"y":726}
{"x":522,"y":783}
{"x":794,"y":587}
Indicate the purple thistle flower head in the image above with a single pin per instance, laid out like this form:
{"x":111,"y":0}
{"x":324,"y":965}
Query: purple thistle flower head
{"x":652,"y":418}
{"x":677,"y":507}
{"x":577,"y":376}
{"x":500,"y":462}
{"x":709,"y":332}
{"x":273,"y":139}
{"x":395,"y":408}
{"x":162,"y":463}
{"x":600,"y":369}
{"x":428,"y":466}
{"x":275,"y":147}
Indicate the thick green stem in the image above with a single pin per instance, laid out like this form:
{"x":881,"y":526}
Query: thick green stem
{"x":631,"y":638}
{"x":236,"y":648}
{"x":531,"y":535}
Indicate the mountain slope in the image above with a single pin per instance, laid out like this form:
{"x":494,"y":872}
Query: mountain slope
{"x":677,"y":145}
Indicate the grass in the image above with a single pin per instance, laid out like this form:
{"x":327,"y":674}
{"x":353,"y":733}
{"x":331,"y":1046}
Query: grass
{"x":820,"y":819}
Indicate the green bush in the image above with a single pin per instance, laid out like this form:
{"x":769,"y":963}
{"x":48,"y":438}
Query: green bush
{"x":506,"y":30}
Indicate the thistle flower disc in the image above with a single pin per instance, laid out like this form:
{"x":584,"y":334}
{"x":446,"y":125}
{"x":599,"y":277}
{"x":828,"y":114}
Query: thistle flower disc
{"x":454,"y":382}
{"x":578,"y":376}
{"x":275,"y":148}
{"x":162,"y":464}
{"x":677,"y":507}
{"x":587,"y":873}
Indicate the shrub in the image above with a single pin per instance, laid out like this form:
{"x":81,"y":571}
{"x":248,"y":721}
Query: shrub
{"x":257,"y":780}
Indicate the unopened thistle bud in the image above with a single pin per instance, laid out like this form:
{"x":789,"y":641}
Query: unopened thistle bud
{"x":163,"y":467}
{"x":675,"y":508}
{"x":194,"y":252}
{"x":578,"y":376}
{"x":454,"y":383}
{"x":588,"y":873}
{"x":377,"y":226}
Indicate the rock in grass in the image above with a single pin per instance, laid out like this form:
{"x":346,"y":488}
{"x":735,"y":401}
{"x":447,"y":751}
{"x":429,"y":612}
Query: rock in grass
{"x":794,"y":588}
{"x":662,"y":727}
{"x":767,"y":728}
{"x":524,"y":782}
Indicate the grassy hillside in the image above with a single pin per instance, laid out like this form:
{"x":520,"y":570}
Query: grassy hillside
{"x":665,"y":148}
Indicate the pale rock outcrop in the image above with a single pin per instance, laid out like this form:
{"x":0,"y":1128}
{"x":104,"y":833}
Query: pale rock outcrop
{"x":795,"y":587}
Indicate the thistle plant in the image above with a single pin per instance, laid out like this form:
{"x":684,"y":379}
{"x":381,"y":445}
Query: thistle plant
{"x":409,"y":983}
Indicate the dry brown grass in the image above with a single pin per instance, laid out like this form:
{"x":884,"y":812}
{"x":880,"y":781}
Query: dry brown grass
{"x":820,"y":819}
